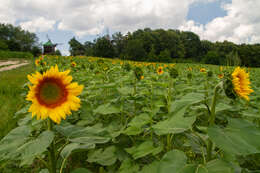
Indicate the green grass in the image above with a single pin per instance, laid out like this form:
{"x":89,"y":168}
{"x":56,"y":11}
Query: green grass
{"x":11,"y":89}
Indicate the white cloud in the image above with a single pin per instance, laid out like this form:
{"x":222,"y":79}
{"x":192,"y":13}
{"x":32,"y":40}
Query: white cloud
{"x":38,"y":25}
{"x":240,"y":25}
{"x":85,"y":17}
{"x":124,"y":15}
{"x":91,"y":17}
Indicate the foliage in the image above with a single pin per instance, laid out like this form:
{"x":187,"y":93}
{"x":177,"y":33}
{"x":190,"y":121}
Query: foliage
{"x":155,"y":124}
{"x":13,"y":38}
{"x":76,"y":48}
{"x":184,"y":46}
{"x":13,"y":54}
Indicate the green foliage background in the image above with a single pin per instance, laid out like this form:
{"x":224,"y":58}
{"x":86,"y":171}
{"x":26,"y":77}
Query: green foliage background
{"x":157,"y":124}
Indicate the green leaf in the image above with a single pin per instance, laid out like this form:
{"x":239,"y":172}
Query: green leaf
{"x":172,"y":161}
{"x":144,"y":149}
{"x":31,"y":149}
{"x":222,"y":107}
{"x":44,"y":171}
{"x":239,"y":137}
{"x":75,"y":147}
{"x":90,"y":140}
{"x":176,"y":124}
{"x":67,"y":130}
{"x":219,"y":166}
{"x":106,"y":109}
{"x":104,"y":157}
{"x":126,"y":90}
{"x":151,"y":168}
{"x":24,"y":110}
{"x":192,"y":168}
{"x":24,"y":121}
{"x":185,"y":101}
{"x":136,"y":124}
{"x":81,"y":170}
{"x":14,"y":139}
{"x":128,"y":166}
{"x":89,"y":135}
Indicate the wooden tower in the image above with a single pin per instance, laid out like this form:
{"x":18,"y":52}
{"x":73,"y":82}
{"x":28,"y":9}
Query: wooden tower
{"x":49,"y":47}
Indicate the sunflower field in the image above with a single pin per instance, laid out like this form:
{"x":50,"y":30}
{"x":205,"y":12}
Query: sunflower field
{"x":97,"y":115}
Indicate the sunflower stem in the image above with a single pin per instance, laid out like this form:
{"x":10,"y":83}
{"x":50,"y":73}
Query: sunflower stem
{"x":135,"y":81}
{"x":169,"y":94}
{"x":212,"y":119}
{"x":52,"y":157}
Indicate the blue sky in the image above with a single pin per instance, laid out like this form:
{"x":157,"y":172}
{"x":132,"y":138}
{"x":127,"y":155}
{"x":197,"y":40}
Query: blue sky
{"x":214,"y":20}
{"x":203,"y":13}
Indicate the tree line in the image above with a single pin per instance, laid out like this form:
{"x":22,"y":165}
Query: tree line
{"x":14,"y":38}
{"x":161,"y":45}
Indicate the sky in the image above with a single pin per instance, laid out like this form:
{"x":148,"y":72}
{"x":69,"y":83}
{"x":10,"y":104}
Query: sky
{"x":215,"y":20}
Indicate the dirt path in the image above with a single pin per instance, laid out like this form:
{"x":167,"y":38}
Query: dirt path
{"x":3,"y":63}
{"x":12,"y":66}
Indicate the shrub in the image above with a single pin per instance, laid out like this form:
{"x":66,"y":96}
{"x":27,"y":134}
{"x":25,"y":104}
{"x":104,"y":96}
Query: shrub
{"x":12,"y":54}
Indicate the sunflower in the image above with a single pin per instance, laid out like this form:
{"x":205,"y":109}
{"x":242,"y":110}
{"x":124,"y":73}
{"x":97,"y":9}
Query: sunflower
{"x":37,"y":62}
{"x":203,"y":70}
{"x":73,"y":64}
{"x":160,"y":70}
{"x":220,"y":76}
{"x":240,"y":81}
{"x":53,"y":95}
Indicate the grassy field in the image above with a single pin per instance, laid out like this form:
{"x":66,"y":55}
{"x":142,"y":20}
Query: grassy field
{"x":10,"y":93}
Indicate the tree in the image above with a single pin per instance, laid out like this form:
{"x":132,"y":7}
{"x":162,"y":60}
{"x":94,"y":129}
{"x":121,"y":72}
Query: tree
{"x":103,"y":48}
{"x":212,"y":57}
{"x":135,"y":50}
{"x":191,"y":43}
{"x":36,"y":51}
{"x":76,"y":48}
{"x":3,"y":45}
{"x":152,"y":55}
{"x":165,"y":56}
{"x":89,"y":48}
{"x":119,"y":43}
{"x":57,"y":52}
{"x":17,"y":39}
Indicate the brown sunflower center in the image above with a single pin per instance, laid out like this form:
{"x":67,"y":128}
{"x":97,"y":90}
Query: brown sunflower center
{"x":51,"y":92}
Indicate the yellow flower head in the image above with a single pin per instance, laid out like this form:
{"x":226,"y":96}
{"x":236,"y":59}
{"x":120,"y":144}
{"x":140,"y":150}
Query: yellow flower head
{"x":37,"y":62}
{"x":142,"y":77}
{"x":189,"y":69}
{"x":73,"y":64}
{"x":240,"y":81}
{"x":53,"y":95}
{"x":203,"y":70}
{"x":220,"y":76}
{"x":160,"y":70}
{"x":41,"y":58}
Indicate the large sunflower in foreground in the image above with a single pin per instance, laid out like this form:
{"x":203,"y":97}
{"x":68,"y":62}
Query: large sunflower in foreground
{"x":240,"y":81}
{"x":53,"y":95}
